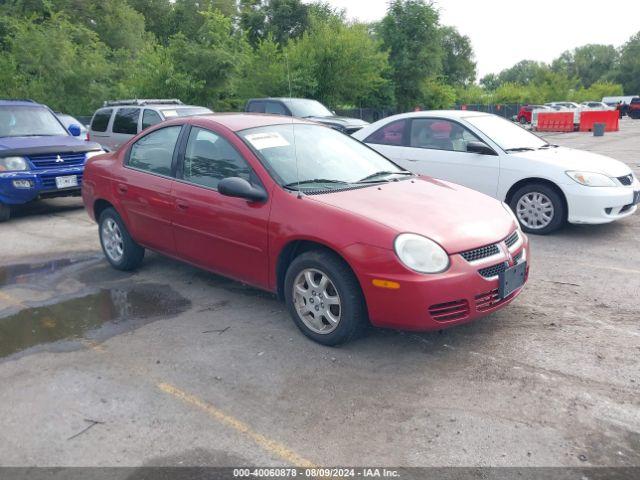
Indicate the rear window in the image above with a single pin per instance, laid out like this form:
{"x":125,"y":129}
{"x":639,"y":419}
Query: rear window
{"x":101,"y":120}
{"x":635,"y":100}
{"x":256,"y":107}
{"x":126,"y":121}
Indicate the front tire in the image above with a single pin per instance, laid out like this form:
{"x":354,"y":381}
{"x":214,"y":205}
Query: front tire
{"x":539,"y":208}
{"x":5,"y":212}
{"x":523,"y":121}
{"x":324,"y":298}
{"x":119,"y":248}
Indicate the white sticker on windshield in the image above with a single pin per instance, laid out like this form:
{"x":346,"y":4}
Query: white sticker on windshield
{"x":267,"y":140}
{"x":169,"y":113}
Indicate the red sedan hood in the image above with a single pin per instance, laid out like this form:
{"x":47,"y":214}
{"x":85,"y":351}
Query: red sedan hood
{"x":456,"y":217}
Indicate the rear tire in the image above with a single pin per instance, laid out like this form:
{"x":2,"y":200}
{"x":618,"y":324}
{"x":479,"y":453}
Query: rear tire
{"x":5,"y":212}
{"x":523,"y":121}
{"x":539,"y":208}
{"x":120,"y":250}
{"x":324,"y":298}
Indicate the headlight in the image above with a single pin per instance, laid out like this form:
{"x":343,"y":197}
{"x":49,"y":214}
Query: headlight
{"x":94,"y":153}
{"x":421,"y":254}
{"x":13,"y":164}
{"x":591,"y":179}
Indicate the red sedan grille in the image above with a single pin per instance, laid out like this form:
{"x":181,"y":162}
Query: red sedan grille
{"x":446,"y":312}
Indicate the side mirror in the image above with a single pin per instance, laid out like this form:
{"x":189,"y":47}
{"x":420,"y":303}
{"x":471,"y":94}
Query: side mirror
{"x":480,"y":148}
{"x":240,"y":188}
{"x":74,"y":130}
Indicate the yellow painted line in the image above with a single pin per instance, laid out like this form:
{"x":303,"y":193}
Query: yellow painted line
{"x":11,"y":300}
{"x":271,"y":446}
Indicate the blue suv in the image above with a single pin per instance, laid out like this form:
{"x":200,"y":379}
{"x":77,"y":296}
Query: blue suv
{"x":39,"y":157}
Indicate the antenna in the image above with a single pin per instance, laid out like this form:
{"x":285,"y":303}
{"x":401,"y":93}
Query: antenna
{"x":293,"y":128}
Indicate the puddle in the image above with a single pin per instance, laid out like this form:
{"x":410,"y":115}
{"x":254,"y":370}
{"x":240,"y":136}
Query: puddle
{"x":97,"y":316}
{"x":22,"y":273}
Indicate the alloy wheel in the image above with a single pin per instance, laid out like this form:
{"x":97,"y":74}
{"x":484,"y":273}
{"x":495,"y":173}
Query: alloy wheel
{"x":112,"y":240}
{"x":317,"y":301}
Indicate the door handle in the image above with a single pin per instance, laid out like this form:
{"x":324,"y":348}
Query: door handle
{"x":122,"y":188}
{"x":182,"y":205}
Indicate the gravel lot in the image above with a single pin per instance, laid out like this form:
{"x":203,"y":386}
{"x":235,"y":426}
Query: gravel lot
{"x":175,"y":366}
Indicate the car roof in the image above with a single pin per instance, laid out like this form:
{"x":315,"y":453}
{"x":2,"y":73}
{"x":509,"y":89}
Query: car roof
{"x":21,"y":103}
{"x":281,"y":99}
{"x":242,"y":121}
{"x":455,"y":114}
{"x":160,"y":106}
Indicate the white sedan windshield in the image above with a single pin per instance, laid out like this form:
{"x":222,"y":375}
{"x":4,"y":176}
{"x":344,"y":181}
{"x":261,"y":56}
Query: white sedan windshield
{"x":506,"y":134}
{"x":314,"y":154}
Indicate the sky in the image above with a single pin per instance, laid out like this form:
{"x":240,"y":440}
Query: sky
{"x":503,"y":32}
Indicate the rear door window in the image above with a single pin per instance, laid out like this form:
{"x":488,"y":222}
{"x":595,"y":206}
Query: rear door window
{"x":390,"y":134}
{"x":149,"y":118}
{"x":276,"y":108}
{"x":101,"y":120}
{"x":153,"y":153}
{"x":126,"y":121}
{"x":256,"y":107}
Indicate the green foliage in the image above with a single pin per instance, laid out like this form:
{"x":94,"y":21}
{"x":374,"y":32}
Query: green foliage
{"x":457,"y":63}
{"x":336,"y":63}
{"x":629,"y":70}
{"x":56,"y":61}
{"x":436,"y":94}
{"x":589,"y":63}
{"x":280,"y":19}
{"x":411,"y":33}
{"x":597,"y":91}
{"x":73,"y":54}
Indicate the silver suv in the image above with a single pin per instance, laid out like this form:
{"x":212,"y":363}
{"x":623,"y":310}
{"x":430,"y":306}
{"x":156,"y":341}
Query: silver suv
{"x":117,"y":121}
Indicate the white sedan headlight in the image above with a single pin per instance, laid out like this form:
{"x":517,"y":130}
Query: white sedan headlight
{"x":420,"y":253}
{"x":12,"y":164}
{"x":94,"y":153}
{"x":591,"y":179}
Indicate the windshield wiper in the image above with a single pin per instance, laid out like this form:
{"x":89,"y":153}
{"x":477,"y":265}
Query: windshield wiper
{"x":520,"y":149}
{"x":380,"y":174}
{"x":313,"y":180}
{"x":548,"y":145}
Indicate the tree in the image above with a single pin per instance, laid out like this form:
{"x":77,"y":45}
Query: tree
{"x":523,"y":72}
{"x":55,"y":61}
{"x":282,"y":19}
{"x":411,"y":34}
{"x":629,"y":73}
{"x":589,"y":63}
{"x":337,"y":63}
{"x":458,"y":67}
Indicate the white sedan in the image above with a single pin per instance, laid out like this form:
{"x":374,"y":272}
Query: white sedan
{"x":544,"y":184}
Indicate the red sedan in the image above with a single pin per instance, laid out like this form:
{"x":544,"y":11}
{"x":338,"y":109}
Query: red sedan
{"x":346,"y":237}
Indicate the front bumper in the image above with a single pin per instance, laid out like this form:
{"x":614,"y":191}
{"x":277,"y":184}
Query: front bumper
{"x":43,"y":184}
{"x":431,"y":302}
{"x":594,"y":205}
